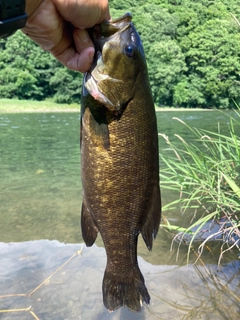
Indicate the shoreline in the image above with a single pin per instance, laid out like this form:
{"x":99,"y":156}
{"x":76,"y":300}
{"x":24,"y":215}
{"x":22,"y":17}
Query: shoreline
{"x":71,"y":110}
{"x":28,"y":106}
{"x":40,"y":110}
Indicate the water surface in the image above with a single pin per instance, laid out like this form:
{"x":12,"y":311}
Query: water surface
{"x":40,"y":198}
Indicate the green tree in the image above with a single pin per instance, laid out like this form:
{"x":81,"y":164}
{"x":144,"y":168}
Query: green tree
{"x":192,"y":50}
{"x":28,"y":72}
{"x":166,"y":68}
{"x":67,"y":85}
{"x":212,"y":57}
{"x":23,"y":57}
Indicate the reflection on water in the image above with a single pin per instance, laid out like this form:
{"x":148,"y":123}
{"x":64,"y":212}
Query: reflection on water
{"x":74,"y":291}
{"x":40,"y":198}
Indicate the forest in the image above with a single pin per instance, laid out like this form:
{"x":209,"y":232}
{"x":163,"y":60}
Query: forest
{"x":192,"y":50}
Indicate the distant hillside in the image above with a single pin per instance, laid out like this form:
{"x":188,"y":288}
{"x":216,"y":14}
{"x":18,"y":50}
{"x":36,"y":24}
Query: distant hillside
{"x":192,"y":50}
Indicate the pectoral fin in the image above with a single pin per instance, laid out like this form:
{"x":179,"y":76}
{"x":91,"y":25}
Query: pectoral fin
{"x":94,"y":121}
{"x":100,"y":134}
{"x":89,"y":229}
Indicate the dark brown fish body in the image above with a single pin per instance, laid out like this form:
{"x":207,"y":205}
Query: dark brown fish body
{"x":120,"y":170}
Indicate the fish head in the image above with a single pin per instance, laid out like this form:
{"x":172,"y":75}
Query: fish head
{"x":119,"y":60}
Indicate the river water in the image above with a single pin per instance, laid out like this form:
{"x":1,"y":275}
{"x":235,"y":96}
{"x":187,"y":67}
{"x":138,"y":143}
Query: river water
{"x":40,"y":200}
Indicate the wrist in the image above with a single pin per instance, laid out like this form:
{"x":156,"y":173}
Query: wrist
{"x":31,"y":5}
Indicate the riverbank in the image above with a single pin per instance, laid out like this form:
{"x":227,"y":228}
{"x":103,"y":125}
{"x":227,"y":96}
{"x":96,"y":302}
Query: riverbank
{"x":28,"y":106}
{"x":19,"y":106}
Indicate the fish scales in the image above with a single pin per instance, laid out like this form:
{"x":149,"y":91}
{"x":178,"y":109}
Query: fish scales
{"x":120,"y":170}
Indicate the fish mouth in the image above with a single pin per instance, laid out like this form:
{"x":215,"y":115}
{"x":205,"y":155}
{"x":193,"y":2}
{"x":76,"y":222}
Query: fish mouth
{"x":105,"y":36}
{"x":108,"y":29}
{"x":93,"y":78}
{"x":91,"y":84}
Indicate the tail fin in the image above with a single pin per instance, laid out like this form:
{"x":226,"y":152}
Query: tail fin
{"x":128,"y":291}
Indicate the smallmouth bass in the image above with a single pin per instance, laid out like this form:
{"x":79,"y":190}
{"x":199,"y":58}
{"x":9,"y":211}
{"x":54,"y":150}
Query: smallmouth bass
{"x":120,"y":165}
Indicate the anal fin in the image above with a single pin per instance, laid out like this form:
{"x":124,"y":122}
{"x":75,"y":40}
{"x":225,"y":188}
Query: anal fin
{"x":89,"y":229}
{"x":151,"y":226}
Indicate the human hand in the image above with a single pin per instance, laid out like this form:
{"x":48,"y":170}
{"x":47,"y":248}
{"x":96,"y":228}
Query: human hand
{"x":59,"y":26}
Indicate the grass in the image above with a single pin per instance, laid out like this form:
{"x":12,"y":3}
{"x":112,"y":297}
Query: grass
{"x":15,"y":106}
{"x":207,"y":175}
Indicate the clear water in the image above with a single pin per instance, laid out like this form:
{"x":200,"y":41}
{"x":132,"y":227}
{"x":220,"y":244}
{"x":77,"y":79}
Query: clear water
{"x":40,"y":200}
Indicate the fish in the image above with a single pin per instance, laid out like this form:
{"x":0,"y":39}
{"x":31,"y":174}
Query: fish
{"x":119,"y":159}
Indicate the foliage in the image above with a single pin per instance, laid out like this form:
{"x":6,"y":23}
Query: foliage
{"x":165,"y":76}
{"x":209,"y":179}
{"x":212,"y":65}
{"x":28,"y":72}
{"x":192,"y":50}
{"x":66,"y":85}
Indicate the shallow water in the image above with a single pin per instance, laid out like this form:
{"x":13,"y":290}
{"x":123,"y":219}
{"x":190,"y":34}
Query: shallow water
{"x":40,"y":198}
{"x":74,"y":291}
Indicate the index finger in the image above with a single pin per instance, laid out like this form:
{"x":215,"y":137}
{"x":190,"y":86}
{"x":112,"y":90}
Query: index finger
{"x":76,"y":61}
{"x":83,"y":14}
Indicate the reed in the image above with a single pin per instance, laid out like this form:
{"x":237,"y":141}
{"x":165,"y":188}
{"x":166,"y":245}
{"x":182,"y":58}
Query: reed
{"x":207,"y":176}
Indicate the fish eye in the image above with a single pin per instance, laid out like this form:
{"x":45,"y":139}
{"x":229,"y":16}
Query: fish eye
{"x":129,"y":50}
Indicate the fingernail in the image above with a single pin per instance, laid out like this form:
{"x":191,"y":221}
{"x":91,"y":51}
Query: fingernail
{"x":91,"y":55}
{"x":84,"y":36}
